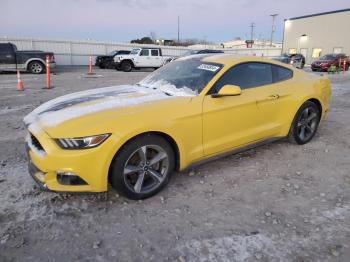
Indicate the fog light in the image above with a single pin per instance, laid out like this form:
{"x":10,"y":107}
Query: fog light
{"x":69,"y":178}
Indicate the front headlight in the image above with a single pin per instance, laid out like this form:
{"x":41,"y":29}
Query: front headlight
{"x":81,"y":142}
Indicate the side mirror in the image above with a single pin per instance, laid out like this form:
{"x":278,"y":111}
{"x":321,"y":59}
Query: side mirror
{"x":228,"y":90}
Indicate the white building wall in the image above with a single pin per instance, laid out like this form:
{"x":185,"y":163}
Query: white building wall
{"x":326,"y":32}
{"x":78,"y":52}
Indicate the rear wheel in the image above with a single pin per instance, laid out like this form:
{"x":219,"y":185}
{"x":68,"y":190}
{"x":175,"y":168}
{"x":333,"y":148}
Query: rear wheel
{"x":143,"y":167}
{"x":305,"y":123}
{"x":36,"y":67}
{"x":126,"y":66}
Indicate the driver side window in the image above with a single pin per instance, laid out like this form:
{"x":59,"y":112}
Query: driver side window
{"x":144,"y":52}
{"x":246,"y":75}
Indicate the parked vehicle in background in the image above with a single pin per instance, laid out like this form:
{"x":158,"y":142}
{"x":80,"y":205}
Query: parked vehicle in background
{"x":32,"y":60}
{"x":107,"y":61}
{"x":297,"y":60}
{"x":326,"y":61}
{"x":204,"y":51}
{"x":141,"y":58}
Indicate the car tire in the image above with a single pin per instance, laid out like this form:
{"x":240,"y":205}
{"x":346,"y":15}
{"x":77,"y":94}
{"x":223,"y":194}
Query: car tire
{"x":36,"y":67}
{"x":142,"y":167}
{"x":126,"y":66}
{"x":305,"y":123}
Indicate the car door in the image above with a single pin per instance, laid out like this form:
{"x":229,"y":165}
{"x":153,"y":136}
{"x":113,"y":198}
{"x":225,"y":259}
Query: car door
{"x":144,"y":59}
{"x":156,"y":59}
{"x":233,"y":121}
{"x":273,"y":100}
{"x":7,"y":57}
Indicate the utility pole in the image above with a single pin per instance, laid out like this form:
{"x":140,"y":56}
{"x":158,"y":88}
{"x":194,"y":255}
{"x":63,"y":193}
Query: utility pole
{"x":273,"y":29}
{"x":178,"y":29}
{"x":252,"y":25}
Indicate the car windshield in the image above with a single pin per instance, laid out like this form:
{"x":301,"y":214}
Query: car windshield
{"x":328,"y":57}
{"x":113,"y":52}
{"x":184,"y":76}
{"x":135,"y":51}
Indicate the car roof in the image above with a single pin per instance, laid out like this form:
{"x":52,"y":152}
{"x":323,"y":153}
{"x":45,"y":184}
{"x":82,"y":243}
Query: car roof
{"x":229,"y":60}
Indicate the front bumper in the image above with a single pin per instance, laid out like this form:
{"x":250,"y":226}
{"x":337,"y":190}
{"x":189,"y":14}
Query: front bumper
{"x":319,"y":67}
{"x":90,"y":165}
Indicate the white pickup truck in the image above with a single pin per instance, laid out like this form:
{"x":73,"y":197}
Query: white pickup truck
{"x":141,"y":58}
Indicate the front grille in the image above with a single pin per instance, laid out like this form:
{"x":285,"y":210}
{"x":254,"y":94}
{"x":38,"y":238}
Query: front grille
{"x":36,"y":143}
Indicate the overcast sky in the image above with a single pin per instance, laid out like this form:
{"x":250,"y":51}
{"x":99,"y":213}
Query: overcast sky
{"x":123,"y":20}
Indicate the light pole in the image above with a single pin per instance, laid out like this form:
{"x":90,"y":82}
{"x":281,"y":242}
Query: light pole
{"x":273,"y":29}
{"x":252,"y":25}
{"x":178,"y":29}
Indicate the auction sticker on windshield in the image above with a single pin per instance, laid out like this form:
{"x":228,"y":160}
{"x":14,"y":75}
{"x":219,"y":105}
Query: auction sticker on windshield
{"x":211,"y":68}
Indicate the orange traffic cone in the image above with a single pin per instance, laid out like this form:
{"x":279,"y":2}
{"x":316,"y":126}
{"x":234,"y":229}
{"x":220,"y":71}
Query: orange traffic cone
{"x":20,"y":86}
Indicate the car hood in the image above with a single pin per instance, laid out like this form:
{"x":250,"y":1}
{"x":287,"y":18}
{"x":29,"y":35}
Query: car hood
{"x":104,"y":56}
{"x":87,"y":106}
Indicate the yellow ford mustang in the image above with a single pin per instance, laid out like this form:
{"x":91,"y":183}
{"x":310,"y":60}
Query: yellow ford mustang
{"x":190,"y":110}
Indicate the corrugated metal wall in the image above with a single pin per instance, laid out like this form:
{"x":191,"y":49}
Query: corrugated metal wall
{"x":78,"y":52}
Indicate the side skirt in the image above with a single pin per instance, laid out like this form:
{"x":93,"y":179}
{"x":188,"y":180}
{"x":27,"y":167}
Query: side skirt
{"x":233,"y":152}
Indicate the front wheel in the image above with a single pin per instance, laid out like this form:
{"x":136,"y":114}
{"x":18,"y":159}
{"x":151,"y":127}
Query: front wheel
{"x":126,"y":66}
{"x":142,"y":167}
{"x":36,"y":67}
{"x":305,"y":123}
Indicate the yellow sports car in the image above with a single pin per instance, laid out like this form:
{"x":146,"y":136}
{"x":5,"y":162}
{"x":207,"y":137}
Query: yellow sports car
{"x":195,"y":108}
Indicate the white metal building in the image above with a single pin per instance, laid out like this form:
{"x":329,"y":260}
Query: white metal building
{"x":318,"y":34}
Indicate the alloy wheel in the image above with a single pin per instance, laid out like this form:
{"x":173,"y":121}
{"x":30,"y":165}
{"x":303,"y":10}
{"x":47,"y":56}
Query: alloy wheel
{"x":307,"y":123}
{"x":36,"y":68}
{"x":146,"y":169}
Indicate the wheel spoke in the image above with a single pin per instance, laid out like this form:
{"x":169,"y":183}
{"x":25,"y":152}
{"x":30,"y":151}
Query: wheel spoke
{"x":302,"y":133}
{"x":311,"y":117}
{"x":309,"y":129}
{"x":131,"y":169}
{"x":139,"y":183}
{"x":306,"y":113}
{"x":157,"y":158}
{"x":143,"y":154}
{"x":155,"y":175}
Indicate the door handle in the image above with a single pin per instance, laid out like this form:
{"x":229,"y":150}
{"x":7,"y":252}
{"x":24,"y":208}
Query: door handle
{"x":8,"y":56}
{"x":273,"y":97}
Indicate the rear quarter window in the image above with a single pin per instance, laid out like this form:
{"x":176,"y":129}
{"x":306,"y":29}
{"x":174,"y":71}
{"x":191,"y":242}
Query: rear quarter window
{"x":281,"y":73}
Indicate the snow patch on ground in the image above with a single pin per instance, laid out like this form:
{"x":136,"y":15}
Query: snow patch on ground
{"x":7,"y":110}
{"x":233,"y":248}
{"x":272,"y":247}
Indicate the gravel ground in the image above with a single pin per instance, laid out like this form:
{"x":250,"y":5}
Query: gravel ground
{"x":279,"y":202}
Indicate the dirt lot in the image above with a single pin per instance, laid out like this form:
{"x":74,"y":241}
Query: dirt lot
{"x":279,"y":202}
